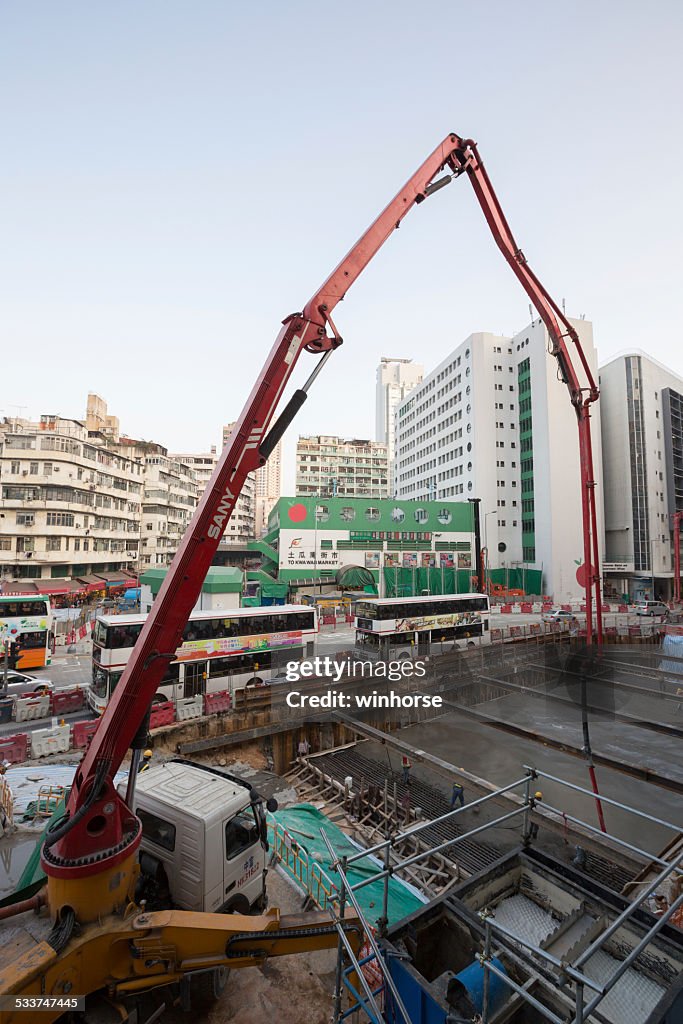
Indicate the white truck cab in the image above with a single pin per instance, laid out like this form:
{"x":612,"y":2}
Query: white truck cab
{"x":204,"y":841}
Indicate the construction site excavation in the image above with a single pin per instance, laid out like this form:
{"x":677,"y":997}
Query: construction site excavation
{"x":411,"y":787}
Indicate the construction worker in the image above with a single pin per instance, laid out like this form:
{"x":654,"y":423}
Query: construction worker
{"x":458,"y":795}
{"x":146,"y":761}
{"x":406,"y":766}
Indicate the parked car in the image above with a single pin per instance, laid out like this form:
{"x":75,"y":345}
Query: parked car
{"x":651,"y":608}
{"x":558,"y":615}
{"x":19,"y":684}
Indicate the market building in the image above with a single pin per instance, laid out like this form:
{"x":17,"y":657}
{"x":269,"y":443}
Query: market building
{"x":406,"y":546}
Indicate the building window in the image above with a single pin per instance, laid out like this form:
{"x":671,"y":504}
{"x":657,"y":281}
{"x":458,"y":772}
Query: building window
{"x":54,"y":544}
{"x":34,"y":468}
{"x":15,"y":466}
{"x":25,"y":518}
{"x":5,"y":543}
{"x":25,"y":544}
{"x":47,"y":468}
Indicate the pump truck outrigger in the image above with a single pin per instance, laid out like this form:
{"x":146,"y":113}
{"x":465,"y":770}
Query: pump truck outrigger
{"x":101,"y":942}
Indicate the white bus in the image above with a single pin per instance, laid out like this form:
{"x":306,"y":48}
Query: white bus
{"x":397,"y":627}
{"x":221,"y":650}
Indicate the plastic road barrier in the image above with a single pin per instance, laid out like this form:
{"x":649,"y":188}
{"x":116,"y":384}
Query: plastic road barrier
{"x":55,"y":740}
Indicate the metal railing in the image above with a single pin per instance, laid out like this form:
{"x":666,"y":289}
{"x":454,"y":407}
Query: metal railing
{"x":568,"y":981}
{"x":307,"y":873}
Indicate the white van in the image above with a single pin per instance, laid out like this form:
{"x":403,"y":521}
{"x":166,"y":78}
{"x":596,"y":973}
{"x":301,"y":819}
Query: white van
{"x":651,"y":608}
{"x":204,"y":840}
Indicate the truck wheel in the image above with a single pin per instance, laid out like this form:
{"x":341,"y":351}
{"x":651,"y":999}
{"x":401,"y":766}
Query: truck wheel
{"x":206,"y":988}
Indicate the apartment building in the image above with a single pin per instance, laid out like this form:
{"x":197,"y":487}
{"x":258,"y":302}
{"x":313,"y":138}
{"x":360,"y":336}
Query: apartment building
{"x":396,"y":378}
{"x":493,"y":421}
{"x":201,"y":463}
{"x":70,"y":501}
{"x":641,"y":404}
{"x":335,"y":467}
{"x":268,"y":486}
{"x":169,"y":499}
{"x":242,"y":525}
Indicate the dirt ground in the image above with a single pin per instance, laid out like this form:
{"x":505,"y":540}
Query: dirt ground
{"x":287,"y":990}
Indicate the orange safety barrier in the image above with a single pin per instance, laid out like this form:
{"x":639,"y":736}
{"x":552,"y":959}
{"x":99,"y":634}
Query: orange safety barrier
{"x":82,"y":732}
{"x":14,"y":748}
{"x":216,"y":702}
{"x":506,"y":609}
{"x":162,"y":714}
{"x":64,"y":701}
{"x":527,"y":607}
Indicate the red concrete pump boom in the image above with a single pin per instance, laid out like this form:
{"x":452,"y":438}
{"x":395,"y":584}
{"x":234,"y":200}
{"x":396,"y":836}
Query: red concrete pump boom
{"x":99,"y":831}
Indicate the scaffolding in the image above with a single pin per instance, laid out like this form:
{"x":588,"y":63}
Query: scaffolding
{"x":570,"y":981}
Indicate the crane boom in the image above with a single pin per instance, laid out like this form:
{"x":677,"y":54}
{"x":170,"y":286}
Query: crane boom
{"x":99,"y":831}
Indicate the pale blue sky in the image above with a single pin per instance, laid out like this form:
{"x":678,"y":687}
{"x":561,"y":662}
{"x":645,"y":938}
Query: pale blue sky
{"x":178,"y":177}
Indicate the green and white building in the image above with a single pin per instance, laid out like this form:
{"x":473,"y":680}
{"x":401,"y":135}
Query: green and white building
{"x":493,"y":421}
{"x":407,"y":546}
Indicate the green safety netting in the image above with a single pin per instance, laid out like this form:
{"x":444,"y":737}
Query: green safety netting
{"x":528,"y":580}
{"x":413,"y":582}
{"x":303,"y":823}
{"x":400,"y":582}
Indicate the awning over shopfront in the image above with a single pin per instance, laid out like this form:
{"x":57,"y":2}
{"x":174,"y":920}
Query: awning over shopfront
{"x":92,"y":583}
{"x":54,"y":587}
{"x":15,"y":588}
{"x":115,"y":577}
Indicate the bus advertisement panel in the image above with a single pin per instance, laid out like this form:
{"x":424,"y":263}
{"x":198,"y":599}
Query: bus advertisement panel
{"x":193,"y":649}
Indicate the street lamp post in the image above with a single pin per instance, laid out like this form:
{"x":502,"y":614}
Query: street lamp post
{"x":486,"y":546}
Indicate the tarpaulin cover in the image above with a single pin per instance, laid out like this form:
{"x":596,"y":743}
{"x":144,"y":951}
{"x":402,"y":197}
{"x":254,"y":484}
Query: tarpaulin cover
{"x":33,"y":877}
{"x":303,"y":822}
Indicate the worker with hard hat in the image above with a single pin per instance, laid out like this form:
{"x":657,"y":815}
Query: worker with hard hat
{"x":146,"y":761}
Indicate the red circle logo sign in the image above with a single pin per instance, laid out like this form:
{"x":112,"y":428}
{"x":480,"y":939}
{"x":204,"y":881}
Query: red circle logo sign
{"x":582,"y":576}
{"x":297,"y":513}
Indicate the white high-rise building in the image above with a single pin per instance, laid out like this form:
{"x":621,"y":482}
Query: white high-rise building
{"x":242,"y":525}
{"x":493,"y":421}
{"x":396,"y":378}
{"x":641,"y":405}
{"x":268,"y":488}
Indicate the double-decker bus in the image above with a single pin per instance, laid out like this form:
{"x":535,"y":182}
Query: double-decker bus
{"x":221,"y":650}
{"x":400,"y":626}
{"x":28,"y":620}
